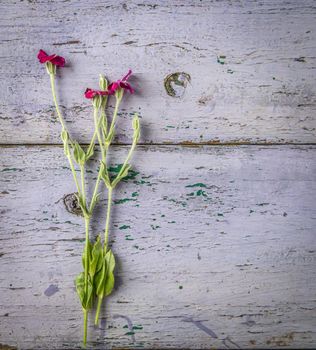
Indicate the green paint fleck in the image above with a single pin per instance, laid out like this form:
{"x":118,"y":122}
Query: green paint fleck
{"x":230,"y":71}
{"x":126,"y":326}
{"x":191,"y":194}
{"x":123,"y":200}
{"x":220,"y":214}
{"x":128,"y":238}
{"x":170,"y":127}
{"x":137,"y":327}
{"x":221,"y":59}
{"x":154,"y":227}
{"x":11,"y":169}
{"x":124,"y":227}
{"x":130,"y":333}
{"x":201,"y":193}
{"x":199,"y":184}
{"x":171,"y":222}
{"x":115,"y":170}
{"x":180,"y":287}
{"x":135,"y":194}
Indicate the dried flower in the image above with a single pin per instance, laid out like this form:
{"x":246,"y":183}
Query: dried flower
{"x":54,"y":59}
{"x":90,"y":93}
{"x":122,"y":83}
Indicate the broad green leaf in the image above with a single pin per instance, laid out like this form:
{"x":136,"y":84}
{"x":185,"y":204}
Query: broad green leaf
{"x":89,"y":297}
{"x":99,"y":279}
{"x":80,"y":287}
{"x":109,"y":281}
{"x":85,"y":298}
{"x":96,"y":256}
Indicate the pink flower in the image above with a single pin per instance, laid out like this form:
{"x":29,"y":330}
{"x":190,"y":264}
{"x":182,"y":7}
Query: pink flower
{"x":54,"y":59}
{"x":122,"y":83}
{"x":89,"y":93}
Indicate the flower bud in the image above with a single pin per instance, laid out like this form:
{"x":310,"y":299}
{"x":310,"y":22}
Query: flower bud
{"x":103,"y":82}
{"x":51,"y":68}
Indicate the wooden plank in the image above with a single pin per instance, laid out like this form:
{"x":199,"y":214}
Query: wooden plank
{"x":251,"y":65}
{"x":215,"y":248}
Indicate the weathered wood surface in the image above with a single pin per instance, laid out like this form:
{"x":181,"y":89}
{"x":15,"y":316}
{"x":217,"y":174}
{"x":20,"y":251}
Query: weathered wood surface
{"x":263,"y":92}
{"x":216,"y":248}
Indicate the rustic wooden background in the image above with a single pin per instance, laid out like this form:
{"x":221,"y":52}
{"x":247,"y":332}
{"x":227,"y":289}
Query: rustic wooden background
{"x":215,"y":233}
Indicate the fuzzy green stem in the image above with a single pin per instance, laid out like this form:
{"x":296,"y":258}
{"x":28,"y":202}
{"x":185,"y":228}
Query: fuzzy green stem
{"x":85,"y":326}
{"x":62,"y":122}
{"x":52,"y":83}
{"x":103,"y":152}
{"x":108,"y":215}
{"x":73,"y":171}
{"x":100,"y":299}
{"x":117,"y":103}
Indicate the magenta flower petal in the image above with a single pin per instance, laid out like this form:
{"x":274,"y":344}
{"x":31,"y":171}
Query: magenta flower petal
{"x":58,"y":61}
{"x":126,"y":86}
{"x":54,"y":59}
{"x":89,"y":93}
{"x":125,"y":78}
{"x":113,"y":87}
{"x":42,"y":56}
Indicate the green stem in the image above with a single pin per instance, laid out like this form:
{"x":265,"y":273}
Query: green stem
{"x":52,"y":83}
{"x":103,"y":153}
{"x":62,"y":122}
{"x":108,"y":215}
{"x":117,"y":104}
{"x":73,"y":171}
{"x":85,"y":326}
{"x":96,"y":321}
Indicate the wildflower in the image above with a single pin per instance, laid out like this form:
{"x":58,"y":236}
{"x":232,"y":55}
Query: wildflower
{"x":90,"y":93}
{"x":122,"y":83}
{"x":54,"y":59}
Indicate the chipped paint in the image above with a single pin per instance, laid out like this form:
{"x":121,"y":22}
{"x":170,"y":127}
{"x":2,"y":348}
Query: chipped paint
{"x":51,"y":290}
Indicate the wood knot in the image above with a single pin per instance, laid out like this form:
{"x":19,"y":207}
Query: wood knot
{"x":176,"y":83}
{"x":72,"y":204}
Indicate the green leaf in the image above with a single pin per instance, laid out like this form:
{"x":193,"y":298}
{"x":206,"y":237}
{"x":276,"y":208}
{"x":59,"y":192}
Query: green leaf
{"x":105,"y":175}
{"x":85,"y":298}
{"x":109,"y":281}
{"x":83,"y":206}
{"x":122,"y":173}
{"x":79,"y":155}
{"x":80,"y":287}
{"x":89,"y":153}
{"x":99,"y":279}
{"x":96,"y":257}
{"x":104,"y":280}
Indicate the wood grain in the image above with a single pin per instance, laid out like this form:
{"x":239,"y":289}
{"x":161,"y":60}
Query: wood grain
{"x":252,"y":68}
{"x":215,"y":248}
